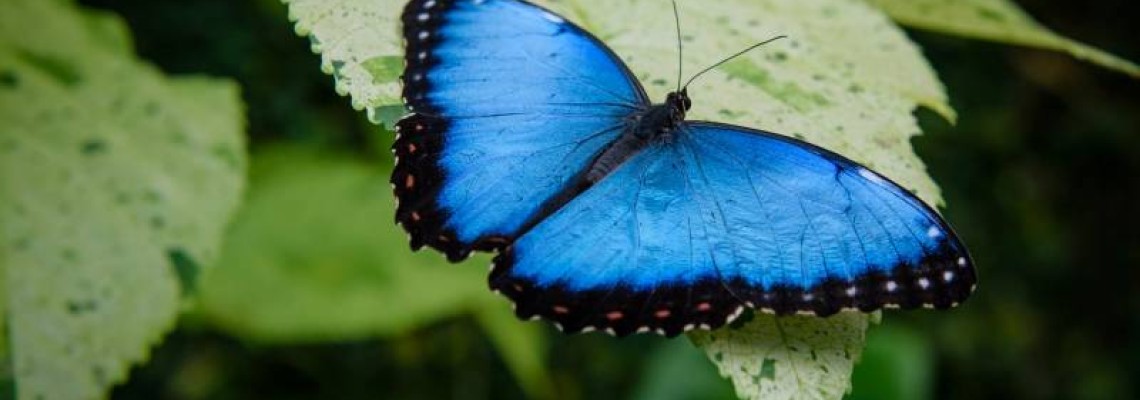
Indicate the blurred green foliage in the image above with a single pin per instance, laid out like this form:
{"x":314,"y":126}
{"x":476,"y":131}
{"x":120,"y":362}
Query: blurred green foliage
{"x":1040,"y":174}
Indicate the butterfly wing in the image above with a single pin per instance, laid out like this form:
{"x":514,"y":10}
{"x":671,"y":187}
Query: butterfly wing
{"x":509,"y":103}
{"x":688,"y":233}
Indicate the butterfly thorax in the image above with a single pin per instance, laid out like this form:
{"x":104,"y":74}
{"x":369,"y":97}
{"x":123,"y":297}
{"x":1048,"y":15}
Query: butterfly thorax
{"x":656,"y":124}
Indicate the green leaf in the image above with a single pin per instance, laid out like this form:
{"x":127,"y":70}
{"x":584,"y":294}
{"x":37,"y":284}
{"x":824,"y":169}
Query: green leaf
{"x":789,"y":357}
{"x":357,"y":41}
{"x":898,"y":364}
{"x":996,"y":20}
{"x":522,"y":346}
{"x":316,"y":256}
{"x":115,"y":183}
{"x":847,"y":79}
{"x":679,"y":371}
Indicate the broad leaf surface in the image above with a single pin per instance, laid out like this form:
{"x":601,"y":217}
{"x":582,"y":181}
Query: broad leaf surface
{"x":316,"y":256}
{"x":115,"y":185}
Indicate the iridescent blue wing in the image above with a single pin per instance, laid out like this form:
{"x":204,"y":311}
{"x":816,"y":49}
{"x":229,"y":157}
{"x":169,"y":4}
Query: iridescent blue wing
{"x":690,"y":232}
{"x":509,"y":104}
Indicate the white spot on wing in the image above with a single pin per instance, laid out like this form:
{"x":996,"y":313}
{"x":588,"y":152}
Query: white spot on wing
{"x":933,"y":232}
{"x":553,"y":18}
{"x":892,"y":286}
{"x":871,"y":176}
{"x":948,"y":276}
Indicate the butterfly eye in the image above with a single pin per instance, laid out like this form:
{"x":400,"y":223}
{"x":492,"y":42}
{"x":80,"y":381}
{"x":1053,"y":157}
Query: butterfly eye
{"x":688,"y":103}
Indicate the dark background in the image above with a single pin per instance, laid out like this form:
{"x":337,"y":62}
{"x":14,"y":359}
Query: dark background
{"x":1041,"y":175}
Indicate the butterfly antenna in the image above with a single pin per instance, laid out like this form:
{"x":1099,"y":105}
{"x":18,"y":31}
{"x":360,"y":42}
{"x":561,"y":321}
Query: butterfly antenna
{"x":680,"y":51}
{"x":738,"y":54}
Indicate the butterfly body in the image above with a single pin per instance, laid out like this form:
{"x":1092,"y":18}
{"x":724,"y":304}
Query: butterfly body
{"x":530,"y":138}
{"x":656,"y":124}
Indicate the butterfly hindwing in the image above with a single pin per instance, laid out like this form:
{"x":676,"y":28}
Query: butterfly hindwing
{"x":689,"y":231}
{"x":509,"y":104}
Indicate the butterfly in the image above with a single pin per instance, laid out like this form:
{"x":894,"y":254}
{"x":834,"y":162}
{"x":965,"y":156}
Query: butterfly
{"x":528,"y":137}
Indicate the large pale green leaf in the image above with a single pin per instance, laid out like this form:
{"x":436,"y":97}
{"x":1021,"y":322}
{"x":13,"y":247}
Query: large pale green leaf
{"x":997,"y":20}
{"x":790,"y":357}
{"x":115,"y":185}
{"x":847,"y":79}
{"x":316,"y":256}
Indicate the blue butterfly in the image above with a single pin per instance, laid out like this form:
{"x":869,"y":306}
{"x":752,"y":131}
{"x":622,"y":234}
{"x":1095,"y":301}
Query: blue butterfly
{"x":527,"y":136}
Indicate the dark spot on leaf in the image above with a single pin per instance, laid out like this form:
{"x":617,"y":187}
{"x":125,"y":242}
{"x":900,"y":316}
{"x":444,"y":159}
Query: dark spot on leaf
{"x":768,"y":369}
{"x":99,"y":374}
{"x":93,"y":147}
{"x":337,"y":65}
{"x":157,"y":222}
{"x":9,"y":79}
{"x":152,"y":196}
{"x":77,"y":307}
{"x":989,"y":14}
{"x":227,"y":155}
{"x":70,"y":254}
{"x":58,"y":69}
{"x":659,"y":82}
{"x":185,"y":268}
